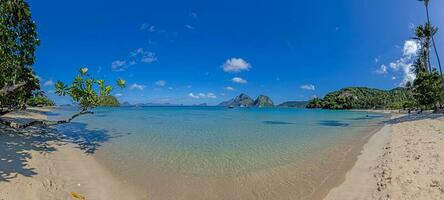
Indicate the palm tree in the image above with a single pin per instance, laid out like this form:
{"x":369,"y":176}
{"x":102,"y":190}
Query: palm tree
{"x":426,"y":4}
{"x":424,"y":33}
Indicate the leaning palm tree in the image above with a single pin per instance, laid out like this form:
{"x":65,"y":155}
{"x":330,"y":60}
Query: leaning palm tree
{"x":426,"y":4}
{"x":424,"y":34}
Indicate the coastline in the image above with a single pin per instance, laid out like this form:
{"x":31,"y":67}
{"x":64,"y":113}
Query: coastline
{"x":37,"y":165}
{"x":401,"y":161}
{"x":379,"y":166}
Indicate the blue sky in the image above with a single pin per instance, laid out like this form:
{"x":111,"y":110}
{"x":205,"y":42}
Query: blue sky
{"x":192,"y":52}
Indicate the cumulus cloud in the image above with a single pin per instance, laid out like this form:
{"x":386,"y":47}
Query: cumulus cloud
{"x":236,"y":65}
{"x":410,"y":48}
{"x":208,"y":95}
{"x":136,"y":86}
{"x":239,"y":80}
{"x":308,"y":87}
{"x":229,"y":88}
{"x":404,"y":65}
{"x":161,"y":83}
{"x":48,"y":83}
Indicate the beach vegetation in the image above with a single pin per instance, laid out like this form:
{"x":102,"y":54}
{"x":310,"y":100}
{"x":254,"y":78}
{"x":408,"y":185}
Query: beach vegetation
{"x":87,"y":92}
{"x":18,"y":41}
{"x":40,"y":100}
{"x":364,"y":98}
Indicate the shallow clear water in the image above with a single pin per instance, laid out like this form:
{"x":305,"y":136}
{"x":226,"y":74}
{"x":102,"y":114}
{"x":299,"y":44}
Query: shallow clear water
{"x":145,"y":143}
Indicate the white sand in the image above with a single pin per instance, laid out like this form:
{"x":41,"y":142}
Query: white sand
{"x":34,"y":167}
{"x":402,"y":161}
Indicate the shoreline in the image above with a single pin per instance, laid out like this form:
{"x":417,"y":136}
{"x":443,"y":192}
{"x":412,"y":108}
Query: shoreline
{"x":358,"y":183}
{"x":42,"y":167}
{"x":401,"y":161}
{"x":36,"y":164}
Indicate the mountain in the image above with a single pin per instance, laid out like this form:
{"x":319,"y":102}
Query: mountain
{"x":201,"y":104}
{"x":364,"y":98}
{"x":294,"y":104}
{"x":263,"y":101}
{"x":243,"y":100}
{"x":125,"y":104}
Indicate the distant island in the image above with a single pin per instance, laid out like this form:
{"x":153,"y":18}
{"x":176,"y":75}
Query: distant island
{"x":262,"y":101}
{"x":243,"y":100}
{"x":345,"y":98}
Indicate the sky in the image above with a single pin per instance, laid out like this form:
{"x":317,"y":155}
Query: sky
{"x":192,"y":52}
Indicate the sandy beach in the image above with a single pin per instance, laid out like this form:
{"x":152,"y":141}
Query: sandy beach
{"x":401,"y":161}
{"x":35,"y":164}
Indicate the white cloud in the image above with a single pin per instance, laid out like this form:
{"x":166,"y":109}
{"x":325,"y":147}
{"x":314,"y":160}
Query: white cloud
{"x":308,"y":87}
{"x":208,"y":95}
{"x":148,"y":27}
{"x":161,"y":83}
{"x":118,"y":95}
{"x":410,"y":48}
{"x":382,"y":70}
{"x":239,"y":80}
{"x":236,"y":65}
{"x":229,"y":88}
{"x":137,"y":87}
{"x":145,"y":56}
{"x":48,"y":83}
{"x":189,"y":27}
{"x":119,"y":65}
{"x":404,"y":65}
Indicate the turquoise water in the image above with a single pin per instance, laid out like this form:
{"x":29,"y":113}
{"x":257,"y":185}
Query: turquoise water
{"x":211,"y":143}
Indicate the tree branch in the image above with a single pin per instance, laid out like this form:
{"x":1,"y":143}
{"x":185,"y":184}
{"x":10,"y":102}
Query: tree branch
{"x":13,"y":124}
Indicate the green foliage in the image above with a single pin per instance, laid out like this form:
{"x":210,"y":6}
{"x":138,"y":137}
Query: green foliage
{"x":84,"y":90}
{"x":428,"y":89}
{"x":294,"y":104}
{"x":109,"y":101}
{"x":364,"y":98}
{"x":40,"y":100}
{"x":18,"y":41}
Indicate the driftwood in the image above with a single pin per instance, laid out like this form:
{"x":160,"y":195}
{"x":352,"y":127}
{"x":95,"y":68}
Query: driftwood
{"x":13,"y":124}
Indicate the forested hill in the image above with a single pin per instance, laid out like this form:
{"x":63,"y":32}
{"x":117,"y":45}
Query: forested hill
{"x":364,"y":98}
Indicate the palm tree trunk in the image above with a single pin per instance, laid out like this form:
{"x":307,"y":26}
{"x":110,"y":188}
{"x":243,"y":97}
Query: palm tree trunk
{"x":434,"y":48}
{"x":433,"y":42}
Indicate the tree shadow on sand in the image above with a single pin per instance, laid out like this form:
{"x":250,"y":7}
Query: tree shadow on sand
{"x":414,"y":117}
{"x":16,"y":144}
